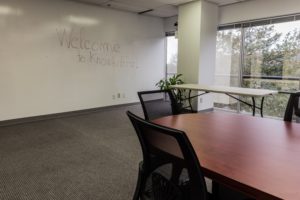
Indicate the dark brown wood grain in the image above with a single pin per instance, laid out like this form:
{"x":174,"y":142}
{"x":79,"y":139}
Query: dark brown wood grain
{"x":258,"y":156}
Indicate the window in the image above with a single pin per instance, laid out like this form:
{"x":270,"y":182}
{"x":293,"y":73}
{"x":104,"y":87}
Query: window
{"x":172,"y":55}
{"x":228,"y":65}
{"x":262,"y":54}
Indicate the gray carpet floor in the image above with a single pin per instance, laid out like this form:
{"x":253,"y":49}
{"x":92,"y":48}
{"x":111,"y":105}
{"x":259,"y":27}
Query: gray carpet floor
{"x":86,"y":157}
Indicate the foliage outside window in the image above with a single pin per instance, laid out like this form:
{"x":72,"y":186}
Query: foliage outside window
{"x":172,"y":55}
{"x":266,"y":56}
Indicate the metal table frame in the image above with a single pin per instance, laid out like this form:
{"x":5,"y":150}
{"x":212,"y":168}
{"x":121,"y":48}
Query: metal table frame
{"x":207,"y":90}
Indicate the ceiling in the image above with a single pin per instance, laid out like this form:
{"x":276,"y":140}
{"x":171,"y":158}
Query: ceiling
{"x":158,"y":8}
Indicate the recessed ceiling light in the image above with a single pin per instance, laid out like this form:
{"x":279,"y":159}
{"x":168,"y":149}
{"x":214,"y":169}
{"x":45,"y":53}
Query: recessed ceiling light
{"x":81,"y":20}
{"x":7,"y":10}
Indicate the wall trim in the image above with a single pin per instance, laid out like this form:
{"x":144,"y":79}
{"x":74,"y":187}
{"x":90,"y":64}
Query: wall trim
{"x":17,"y":121}
{"x":206,"y":110}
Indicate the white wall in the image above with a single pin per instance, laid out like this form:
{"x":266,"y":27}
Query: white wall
{"x":257,"y":9}
{"x":59,"y":56}
{"x":189,"y":41}
{"x":208,"y":35}
{"x":169,"y":23}
{"x":197,"y":27}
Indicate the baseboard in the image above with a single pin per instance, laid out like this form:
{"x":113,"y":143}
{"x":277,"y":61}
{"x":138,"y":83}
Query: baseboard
{"x":207,"y":110}
{"x":63,"y":114}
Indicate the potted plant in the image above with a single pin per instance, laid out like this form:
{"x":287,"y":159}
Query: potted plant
{"x":165,"y":84}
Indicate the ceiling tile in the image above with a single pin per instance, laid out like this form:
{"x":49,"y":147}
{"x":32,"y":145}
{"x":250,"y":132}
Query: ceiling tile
{"x":161,"y":8}
{"x":150,"y":4}
{"x":164,"y":11}
{"x":99,"y":2}
{"x":174,"y":2}
{"x":127,"y":7}
{"x":225,"y":2}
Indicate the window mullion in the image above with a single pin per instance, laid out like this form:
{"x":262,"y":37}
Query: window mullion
{"x":241,"y":67}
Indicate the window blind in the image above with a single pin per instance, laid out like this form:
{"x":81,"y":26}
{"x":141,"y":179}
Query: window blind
{"x":260,"y":22}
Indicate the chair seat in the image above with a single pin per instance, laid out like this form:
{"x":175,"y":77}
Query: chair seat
{"x":148,"y":190}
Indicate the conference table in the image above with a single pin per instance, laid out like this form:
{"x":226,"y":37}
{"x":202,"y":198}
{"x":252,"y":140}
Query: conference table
{"x":229,"y":91}
{"x":257,"y":156}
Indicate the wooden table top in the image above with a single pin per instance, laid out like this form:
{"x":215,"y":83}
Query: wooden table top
{"x":258,"y":156}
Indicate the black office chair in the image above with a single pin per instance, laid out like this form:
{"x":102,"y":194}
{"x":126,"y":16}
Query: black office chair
{"x":292,"y":107}
{"x":160,"y":103}
{"x":170,"y":169}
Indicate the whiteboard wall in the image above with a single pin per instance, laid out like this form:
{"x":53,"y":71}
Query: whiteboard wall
{"x":58,"y":56}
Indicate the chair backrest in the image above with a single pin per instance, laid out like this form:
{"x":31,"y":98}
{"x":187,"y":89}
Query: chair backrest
{"x":164,"y":146}
{"x":158,"y":103}
{"x":293,"y":107}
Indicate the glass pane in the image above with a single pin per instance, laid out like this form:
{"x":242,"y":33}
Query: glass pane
{"x":227,"y":65}
{"x":172,"y":54}
{"x":272,"y":61}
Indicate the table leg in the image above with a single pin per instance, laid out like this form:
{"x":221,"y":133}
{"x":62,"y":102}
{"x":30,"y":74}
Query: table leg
{"x":190,"y":103}
{"x":253,"y":106}
{"x":262,"y":107}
